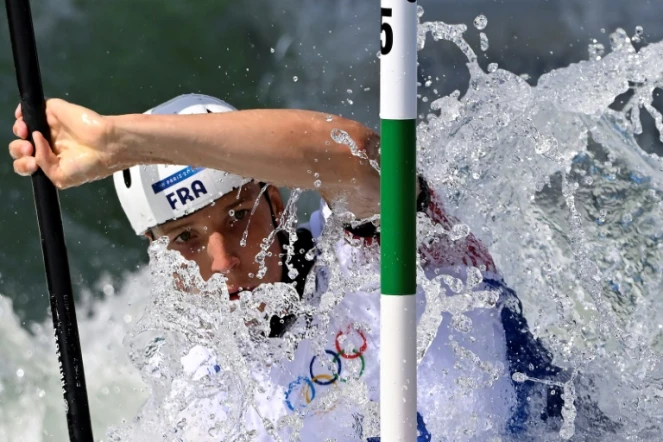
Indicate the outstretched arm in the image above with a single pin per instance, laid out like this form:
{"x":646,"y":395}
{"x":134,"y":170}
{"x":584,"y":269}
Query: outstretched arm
{"x":291,"y":148}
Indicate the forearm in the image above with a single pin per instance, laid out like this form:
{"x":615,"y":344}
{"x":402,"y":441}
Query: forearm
{"x":282,"y":147}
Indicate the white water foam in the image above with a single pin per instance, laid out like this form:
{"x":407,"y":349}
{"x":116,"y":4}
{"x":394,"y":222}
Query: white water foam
{"x":30,"y":391}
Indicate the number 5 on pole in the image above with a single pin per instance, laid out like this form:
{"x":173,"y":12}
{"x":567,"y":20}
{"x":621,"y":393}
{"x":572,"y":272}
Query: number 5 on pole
{"x":388,"y":33}
{"x":398,"y":111}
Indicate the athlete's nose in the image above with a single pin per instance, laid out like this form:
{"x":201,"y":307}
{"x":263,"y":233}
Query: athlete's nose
{"x":223,"y":260}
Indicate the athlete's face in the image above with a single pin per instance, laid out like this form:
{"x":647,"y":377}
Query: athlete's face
{"x":212,"y":237}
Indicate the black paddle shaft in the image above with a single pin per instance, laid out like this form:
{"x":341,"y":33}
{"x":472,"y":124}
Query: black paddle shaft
{"x":50,"y":226}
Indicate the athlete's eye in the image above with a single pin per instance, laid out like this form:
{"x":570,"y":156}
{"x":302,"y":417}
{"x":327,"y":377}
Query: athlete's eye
{"x":240,"y":214}
{"x":183,"y":237}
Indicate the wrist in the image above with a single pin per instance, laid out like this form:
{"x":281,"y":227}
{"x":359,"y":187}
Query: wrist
{"x":115,"y":142}
{"x":123,"y":141}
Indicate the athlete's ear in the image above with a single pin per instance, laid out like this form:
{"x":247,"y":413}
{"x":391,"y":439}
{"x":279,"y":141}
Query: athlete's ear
{"x":276,"y":200}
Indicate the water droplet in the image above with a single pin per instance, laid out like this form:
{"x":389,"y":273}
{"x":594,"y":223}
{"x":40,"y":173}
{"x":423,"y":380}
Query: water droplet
{"x":271,"y":50}
{"x":637,"y":37}
{"x":461,"y":323}
{"x":483,"y":38}
{"x":317,"y":183}
{"x":420,"y":11}
{"x":349,"y":91}
{"x":596,"y":50}
{"x":519,"y":377}
{"x":619,"y":40}
{"x":480,"y":22}
{"x":329,"y":118}
{"x":295,"y":79}
{"x":20,"y":373}
{"x":492,"y":67}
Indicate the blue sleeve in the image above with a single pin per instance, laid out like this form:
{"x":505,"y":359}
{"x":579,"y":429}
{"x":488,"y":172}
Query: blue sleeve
{"x":526,"y":354}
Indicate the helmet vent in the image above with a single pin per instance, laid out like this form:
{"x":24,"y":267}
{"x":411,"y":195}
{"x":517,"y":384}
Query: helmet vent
{"x":126,"y":173}
{"x":209,"y":111}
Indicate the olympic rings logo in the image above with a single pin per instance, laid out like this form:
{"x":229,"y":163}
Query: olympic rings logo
{"x":303,"y":388}
{"x":355,"y":354}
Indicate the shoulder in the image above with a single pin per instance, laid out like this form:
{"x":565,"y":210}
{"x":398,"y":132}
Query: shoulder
{"x":457,"y":246}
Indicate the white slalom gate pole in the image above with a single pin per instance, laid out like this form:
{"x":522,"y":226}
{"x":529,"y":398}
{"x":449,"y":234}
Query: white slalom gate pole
{"x":398,"y":112}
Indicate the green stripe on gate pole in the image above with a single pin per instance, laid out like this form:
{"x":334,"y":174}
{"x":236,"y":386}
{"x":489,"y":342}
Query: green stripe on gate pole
{"x":398,"y":207}
{"x":398,"y":325}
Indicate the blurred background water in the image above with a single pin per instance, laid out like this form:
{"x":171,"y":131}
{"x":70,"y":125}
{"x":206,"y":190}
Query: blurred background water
{"x":127,"y":56}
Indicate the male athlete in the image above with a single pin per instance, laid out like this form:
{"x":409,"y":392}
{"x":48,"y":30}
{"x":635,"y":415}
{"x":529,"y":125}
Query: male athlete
{"x":223,"y":210}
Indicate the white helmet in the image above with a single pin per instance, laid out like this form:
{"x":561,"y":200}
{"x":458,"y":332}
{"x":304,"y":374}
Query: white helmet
{"x":152,"y":195}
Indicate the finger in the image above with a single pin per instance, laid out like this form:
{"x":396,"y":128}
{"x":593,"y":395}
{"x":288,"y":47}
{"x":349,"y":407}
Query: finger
{"x":54,"y":106}
{"x":20,"y":129}
{"x":18,"y":113}
{"x":46,"y":158}
{"x":25,"y":166}
{"x":20,"y":148}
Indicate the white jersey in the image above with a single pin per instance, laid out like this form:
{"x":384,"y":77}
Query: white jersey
{"x":332,"y":393}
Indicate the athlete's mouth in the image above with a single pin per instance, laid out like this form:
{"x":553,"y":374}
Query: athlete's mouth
{"x":234,"y":291}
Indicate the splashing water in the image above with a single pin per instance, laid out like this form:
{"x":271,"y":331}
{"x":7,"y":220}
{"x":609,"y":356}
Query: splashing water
{"x":549,"y":177}
{"x":555,"y":182}
{"x":342,"y":137}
